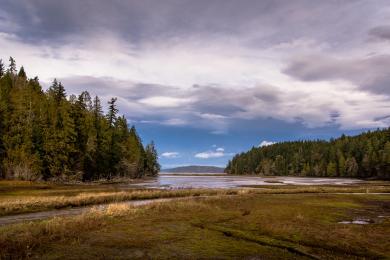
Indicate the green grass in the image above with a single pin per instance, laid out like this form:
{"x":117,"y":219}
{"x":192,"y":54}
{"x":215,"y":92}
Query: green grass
{"x":270,"y":226}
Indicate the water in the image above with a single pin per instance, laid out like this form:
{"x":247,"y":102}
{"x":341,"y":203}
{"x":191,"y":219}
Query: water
{"x":357,"y":222}
{"x":175,"y":181}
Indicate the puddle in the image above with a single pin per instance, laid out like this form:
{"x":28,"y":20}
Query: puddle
{"x":358,"y":222}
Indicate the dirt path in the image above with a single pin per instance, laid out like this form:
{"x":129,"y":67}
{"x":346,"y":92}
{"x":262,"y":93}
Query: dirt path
{"x":13,"y":219}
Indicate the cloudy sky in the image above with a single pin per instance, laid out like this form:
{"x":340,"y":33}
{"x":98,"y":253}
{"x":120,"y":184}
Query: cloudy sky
{"x":209,"y":78}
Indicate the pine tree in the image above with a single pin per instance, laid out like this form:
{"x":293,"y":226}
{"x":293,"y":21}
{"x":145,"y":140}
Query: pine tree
{"x":99,"y":151}
{"x":12,"y":66}
{"x":1,"y":68}
{"x":46,"y":136}
{"x":112,"y":135}
{"x":112,"y":112}
{"x":152,"y":165}
{"x":22,"y":73}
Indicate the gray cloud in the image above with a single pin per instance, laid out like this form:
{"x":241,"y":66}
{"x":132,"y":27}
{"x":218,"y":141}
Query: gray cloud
{"x":149,"y":53}
{"x":382,"y":32}
{"x":210,"y":107}
{"x":370,"y":74}
{"x":257,"y":22}
{"x":127,"y":89}
{"x":219,"y":108}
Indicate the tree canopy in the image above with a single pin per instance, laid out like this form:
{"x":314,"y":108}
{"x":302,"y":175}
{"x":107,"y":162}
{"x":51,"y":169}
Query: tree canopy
{"x":48,"y":135}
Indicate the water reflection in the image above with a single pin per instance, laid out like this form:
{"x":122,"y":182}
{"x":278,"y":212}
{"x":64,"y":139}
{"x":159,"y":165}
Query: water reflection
{"x":210,"y":181}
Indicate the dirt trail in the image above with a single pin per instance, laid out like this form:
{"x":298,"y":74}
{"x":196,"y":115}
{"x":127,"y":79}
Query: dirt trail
{"x":13,"y":219}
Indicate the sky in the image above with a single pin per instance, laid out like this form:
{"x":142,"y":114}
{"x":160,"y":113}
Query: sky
{"x":207,"y":79}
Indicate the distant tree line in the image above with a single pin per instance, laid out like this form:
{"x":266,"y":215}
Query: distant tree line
{"x":47,"y":135}
{"x":366,"y":155}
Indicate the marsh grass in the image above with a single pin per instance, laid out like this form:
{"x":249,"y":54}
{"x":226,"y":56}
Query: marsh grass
{"x":19,"y":241}
{"x":35,"y":197}
{"x":246,"y":225}
{"x":20,"y":205}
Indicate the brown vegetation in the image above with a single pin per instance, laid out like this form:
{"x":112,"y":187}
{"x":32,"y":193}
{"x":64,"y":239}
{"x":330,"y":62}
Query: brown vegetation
{"x":26,"y":197}
{"x":249,"y":225}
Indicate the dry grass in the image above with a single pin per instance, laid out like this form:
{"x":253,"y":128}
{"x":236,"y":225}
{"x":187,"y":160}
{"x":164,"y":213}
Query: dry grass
{"x":248,"y":225}
{"x":19,"y":241}
{"x":33,"y":197}
{"x":19,"y":205}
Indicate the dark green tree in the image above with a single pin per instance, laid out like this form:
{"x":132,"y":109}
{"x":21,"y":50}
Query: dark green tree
{"x":1,"y":68}
{"x":22,"y":73}
{"x":44,"y":135}
{"x":151,"y":157}
{"x":12,"y":66}
{"x":365,"y":155}
{"x":112,"y":112}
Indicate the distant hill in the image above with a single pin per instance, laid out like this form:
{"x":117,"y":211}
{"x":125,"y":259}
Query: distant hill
{"x":195,"y":169}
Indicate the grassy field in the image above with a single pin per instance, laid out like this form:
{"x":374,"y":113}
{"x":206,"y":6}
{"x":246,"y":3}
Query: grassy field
{"x":23,"y":197}
{"x":18,"y":197}
{"x":269,"y":222}
{"x":271,"y":226}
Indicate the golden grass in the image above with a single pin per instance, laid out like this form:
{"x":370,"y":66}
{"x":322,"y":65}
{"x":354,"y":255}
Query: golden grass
{"x":18,"y":205}
{"x":78,"y":197}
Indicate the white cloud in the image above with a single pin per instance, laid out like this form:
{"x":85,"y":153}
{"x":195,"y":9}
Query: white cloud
{"x":217,"y":153}
{"x":170,"y":155}
{"x":164,"y":102}
{"x":212,"y":116}
{"x":209,"y":154}
{"x":174,"y":122}
{"x":266,"y":143}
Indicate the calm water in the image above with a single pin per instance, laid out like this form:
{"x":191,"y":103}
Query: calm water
{"x":209,"y":181}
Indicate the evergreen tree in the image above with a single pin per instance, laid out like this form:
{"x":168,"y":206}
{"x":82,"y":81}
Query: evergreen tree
{"x":152,"y":165}
{"x":112,"y":112}
{"x":365,"y":155}
{"x":22,"y":73}
{"x":57,"y":92}
{"x":12,"y":66}
{"x":1,"y":68}
{"x":46,"y":136}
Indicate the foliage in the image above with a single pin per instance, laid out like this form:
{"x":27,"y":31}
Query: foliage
{"x":366,"y":155}
{"x":47,"y":135}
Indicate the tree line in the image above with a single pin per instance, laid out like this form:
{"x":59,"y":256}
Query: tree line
{"x":47,"y":135}
{"x":366,"y":155}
